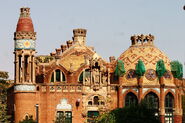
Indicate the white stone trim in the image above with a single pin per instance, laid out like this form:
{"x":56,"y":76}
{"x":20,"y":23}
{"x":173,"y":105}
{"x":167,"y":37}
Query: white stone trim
{"x":24,"y":88}
{"x":64,"y":105}
{"x":125,"y":89}
{"x":173,"y":90}
{"x":146,"y":89}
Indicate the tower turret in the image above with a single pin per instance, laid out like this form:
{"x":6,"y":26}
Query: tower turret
{"x":24,"y":48}
{"x":80,"y":36}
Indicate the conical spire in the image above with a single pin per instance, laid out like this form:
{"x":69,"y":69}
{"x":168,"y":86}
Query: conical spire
{"x":25,"y":22}
{"x":25,"y":28}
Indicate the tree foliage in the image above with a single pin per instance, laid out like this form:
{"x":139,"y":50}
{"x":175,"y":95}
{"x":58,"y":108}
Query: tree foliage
{"x":140,"y":68}
{"x":120,"y":69}
{"x":4,"y":118}
{"x":140,"y":113}
{"x":177,"y":69}
{"x":160,"y":68}
{"x":28,"y":119}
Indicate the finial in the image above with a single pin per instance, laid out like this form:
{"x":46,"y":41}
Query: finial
{"x":142,"y":39}
{"x":79,"y":32}
{"x":25,"y":12}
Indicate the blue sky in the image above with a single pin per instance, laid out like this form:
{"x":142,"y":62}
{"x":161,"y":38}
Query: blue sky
{"x":109,"y":23}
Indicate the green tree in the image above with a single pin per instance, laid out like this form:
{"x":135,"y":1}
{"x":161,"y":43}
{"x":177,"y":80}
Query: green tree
{"x":177,"y":69}
{"x":120,"y":69}
{"x":4,"y":118}
{"x":28,"y":119}
{"x":160,"y":68}
{"x":140,"y":113}
{"x":140,"y":68}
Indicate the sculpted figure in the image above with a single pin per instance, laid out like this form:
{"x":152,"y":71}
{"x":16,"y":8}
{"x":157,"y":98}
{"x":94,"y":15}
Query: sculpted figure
{"x":96,"y":76}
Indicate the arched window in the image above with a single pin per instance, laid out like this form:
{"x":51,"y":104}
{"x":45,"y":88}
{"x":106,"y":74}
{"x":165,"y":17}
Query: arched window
{"x":96,"y":100}
{"x":169,"y":105}
{"x":90,"y":103}
{"x":152,"y":101}
{"x":58,"y":76}
{"x":130,"y":99}
{"x":84,"y":76}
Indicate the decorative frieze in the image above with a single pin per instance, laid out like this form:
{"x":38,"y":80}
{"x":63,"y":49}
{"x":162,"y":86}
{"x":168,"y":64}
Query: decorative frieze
{"x":43,"y":88}
{"x":24,"y":88}
{"x":25,"y":44}
{"x":59,"y":89}
{"x":52,"y":89}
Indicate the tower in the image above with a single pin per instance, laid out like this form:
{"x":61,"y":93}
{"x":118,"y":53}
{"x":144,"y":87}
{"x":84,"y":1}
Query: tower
{"x":80,"y":36}
{"x":24,"y":50}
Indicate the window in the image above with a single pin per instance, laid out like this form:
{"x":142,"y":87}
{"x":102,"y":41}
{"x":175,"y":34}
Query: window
{"x":96,"y":100}
{"x":58,"y":76}
{"x":169,"y":104}
{"x":84,"y":76}
{"x":92,"y":116}
{"x":64,"y":117}
{"x":130,"y":99}
{"x":152,"y":100}
{"x":90,"y":103}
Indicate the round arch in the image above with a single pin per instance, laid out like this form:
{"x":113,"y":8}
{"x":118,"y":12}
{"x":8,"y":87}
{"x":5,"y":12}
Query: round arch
{"x":50,"y":72}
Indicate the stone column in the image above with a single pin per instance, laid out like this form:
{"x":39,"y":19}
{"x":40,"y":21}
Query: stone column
{"x":22,"y":69}
{"x":33,"y":69}
{"x":28,"y":76}
{"x":16,"y":68}
{"x":140,"y":88}
{"x":161,"y":104}
{"x":120,"y":97}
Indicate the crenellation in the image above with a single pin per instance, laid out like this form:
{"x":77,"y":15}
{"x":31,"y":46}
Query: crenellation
{"x":69,"y":43}
{"x":63,"y":47}
{"x":142,"y":40}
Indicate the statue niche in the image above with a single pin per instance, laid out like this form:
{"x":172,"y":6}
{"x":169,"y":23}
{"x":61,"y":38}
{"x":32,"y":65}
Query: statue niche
{"x":96,"y":75}
{"x":99,"y":74}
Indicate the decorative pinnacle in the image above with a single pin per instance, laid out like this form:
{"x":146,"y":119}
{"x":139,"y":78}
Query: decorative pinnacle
{"x":142,"y":39}
{"x":25,"y":12}
{"x":79,"y":32}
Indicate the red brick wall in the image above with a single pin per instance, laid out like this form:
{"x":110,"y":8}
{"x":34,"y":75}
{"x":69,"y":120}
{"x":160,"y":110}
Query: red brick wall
{"x":24,"y":104}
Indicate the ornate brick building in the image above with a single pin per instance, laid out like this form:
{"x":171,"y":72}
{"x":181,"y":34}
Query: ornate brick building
{"x":75,"y":83}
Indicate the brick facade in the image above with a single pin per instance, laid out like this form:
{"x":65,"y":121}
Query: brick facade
{"x":76,"y":79}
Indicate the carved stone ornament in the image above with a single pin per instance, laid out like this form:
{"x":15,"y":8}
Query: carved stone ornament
{"x":24,"y":88}
{"x":25,"y":44}
{"x":131,"y":74}
{"x":150,"y":74}
{"x":64,"y":105}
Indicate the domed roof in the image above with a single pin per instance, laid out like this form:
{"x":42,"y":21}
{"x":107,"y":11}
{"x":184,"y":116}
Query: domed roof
{"x":144,"y":51}
{"x":143,"y":48}
{"x":25,"y":23}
